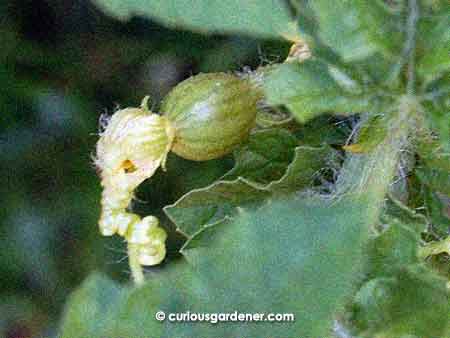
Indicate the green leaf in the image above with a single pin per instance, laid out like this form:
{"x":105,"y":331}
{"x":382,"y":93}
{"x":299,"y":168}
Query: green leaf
{"x":274,"y":118}
{"x":437,"y":213}
{"x":98,"y":298}
{"x":297,"y":256}
{"x":381,"y":71}
{"x":436,"y":180}
{"x":324,"y":129}
{"x":184,"y":175}
{"x":265,"y":157}
{"x":396,"y":211}
{"x":434,"y":46}
{"x":264,"y":18}
{"x":312,"y":88}
{"x":206,"y":206}
{"x":358,"y":29}
{"x":209,"y":205}
{"x":437,"y":107}
{"x":412,"y":302}
{"x":434,"y":154}
{"x":396,"y":245}
{"x":393,"y":249}
{"x":307,"y":165}
{"x":371,"y":134}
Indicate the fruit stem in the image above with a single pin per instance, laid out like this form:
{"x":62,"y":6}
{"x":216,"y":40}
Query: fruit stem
{"x":135,"y":267}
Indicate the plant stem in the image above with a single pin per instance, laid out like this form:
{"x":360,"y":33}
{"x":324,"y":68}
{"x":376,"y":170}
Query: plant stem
{"x":370,"y":176}
{"x":408,"y":53}
{"x":135,"y":266}
{"x":380,"y":167}
{"x":411,"y":26}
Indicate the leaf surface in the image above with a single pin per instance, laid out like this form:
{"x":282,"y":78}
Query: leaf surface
{"x":434,"y":45}
{"x":358,"y":29}
{"x":263,"y":18}
{"x":413,"y":302}
{"x":312,"y":88}
{"x":221,"y":200}
{"x":300,"y":256}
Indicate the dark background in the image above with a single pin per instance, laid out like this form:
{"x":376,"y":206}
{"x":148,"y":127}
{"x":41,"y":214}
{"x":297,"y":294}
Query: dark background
{"x":63,"y":63}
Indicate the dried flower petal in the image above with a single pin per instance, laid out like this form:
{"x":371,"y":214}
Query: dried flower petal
{"x":131,"y":148}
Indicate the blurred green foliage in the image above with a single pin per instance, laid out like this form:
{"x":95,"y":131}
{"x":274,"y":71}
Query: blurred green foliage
{"x":62,"y":65}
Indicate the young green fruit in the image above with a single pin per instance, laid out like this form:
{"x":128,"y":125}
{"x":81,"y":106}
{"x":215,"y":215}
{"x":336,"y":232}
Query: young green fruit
{"x":211,"y":114}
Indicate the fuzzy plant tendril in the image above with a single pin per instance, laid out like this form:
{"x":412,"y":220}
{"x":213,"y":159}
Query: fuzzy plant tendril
{"x":133,"y":145}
